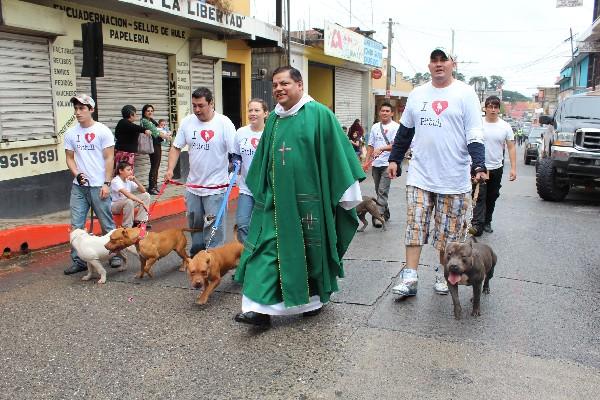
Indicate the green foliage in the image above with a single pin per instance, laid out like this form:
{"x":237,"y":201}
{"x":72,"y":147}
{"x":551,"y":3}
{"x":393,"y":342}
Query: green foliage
{"x":496,"y":81}
{"x":510,"y":96}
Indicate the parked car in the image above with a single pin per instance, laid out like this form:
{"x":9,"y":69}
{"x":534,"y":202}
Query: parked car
{"x":533,"y":144}
{"x":570,"y":154}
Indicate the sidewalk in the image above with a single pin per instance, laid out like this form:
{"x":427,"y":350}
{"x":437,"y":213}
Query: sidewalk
{"x":53,"y":229}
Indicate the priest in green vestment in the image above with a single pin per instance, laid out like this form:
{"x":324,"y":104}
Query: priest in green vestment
{"x":304,"y":179}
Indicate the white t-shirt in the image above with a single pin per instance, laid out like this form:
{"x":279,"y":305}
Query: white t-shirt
{"x":208,"y":145}
{"x":117,"y":184}
{"x":496,"y":134}
{"x":246,"y":141}
{"x":445,"y":121}
{"x":88,"y":144}
{"x":376,"y":140}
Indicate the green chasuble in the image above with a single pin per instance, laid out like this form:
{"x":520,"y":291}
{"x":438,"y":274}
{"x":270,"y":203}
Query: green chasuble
{"x":298,"y":233}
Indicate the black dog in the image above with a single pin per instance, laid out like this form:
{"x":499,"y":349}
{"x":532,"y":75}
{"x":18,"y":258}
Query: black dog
{"x":369,"y":205}
{"x":469,"y":264}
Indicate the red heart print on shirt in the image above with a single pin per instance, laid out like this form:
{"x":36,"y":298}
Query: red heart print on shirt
{"x":207,"y":134}
{"x":439,"y":106}
{"x":254,"y":142}
{"x":89,"y":137}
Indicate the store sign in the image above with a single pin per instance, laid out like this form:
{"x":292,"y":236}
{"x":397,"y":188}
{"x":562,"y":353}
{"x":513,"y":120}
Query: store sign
{"x":343,"y":43}
{"x":373,"y":53}
{"x":588,"y":47}
{"x":569,"y":3}
{"x":376,"y":74}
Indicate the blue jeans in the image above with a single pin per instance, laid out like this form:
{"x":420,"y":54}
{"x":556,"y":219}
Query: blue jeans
{"x":197,"y":208}
{"x":243,"y":214}
{"x":82,"y":198}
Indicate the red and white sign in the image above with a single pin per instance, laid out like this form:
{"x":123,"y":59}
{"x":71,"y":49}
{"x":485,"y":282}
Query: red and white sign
{"x":376,"y":74}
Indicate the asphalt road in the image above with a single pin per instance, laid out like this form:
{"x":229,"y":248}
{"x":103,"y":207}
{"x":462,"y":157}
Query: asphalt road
{"x":538,"y":336}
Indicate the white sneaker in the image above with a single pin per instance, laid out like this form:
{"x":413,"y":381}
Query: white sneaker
{"x":440,"y":286}
{"x":408,"y":283}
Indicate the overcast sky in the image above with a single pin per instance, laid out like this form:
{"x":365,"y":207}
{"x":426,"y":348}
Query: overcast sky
{"x":521,"y":40}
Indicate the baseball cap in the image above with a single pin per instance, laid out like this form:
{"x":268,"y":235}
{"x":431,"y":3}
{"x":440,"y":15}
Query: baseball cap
{"x":84,"y":99}
{"x":440,"y":51}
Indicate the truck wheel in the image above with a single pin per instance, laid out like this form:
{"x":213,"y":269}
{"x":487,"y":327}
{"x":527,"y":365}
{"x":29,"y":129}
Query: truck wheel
{"x":526,"y":160}
{"x":545,"y":180}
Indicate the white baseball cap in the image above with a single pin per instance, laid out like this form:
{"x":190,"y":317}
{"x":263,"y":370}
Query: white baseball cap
{"x":83,"y":99}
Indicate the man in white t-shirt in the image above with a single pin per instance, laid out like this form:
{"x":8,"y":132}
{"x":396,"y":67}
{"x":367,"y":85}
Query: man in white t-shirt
{"x":497,"y":134}
{"x":378,"y":150}
{"x":210,"y":138}
{"x":124,"y":201}
{"x":443,"y":121}
{"x":89,"y":149}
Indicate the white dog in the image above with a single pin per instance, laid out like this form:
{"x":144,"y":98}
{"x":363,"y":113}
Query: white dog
{"x":91,"y":249}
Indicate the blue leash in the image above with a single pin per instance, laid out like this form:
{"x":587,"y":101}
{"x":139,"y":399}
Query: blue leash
{"x":236,"y":167}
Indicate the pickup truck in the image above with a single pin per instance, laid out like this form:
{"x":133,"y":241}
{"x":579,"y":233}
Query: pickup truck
{"x":570,"y":154}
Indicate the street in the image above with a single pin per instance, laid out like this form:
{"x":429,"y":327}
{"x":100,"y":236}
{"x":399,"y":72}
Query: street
{"x":538,"y":335}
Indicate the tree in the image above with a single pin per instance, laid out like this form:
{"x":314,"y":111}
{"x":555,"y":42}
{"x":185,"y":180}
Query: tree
{"x":460,"y":76}
{"x":479,"y":80}
{"x":512,"y":97}
{"x":496,"y":82}
{"x":420,"y":78}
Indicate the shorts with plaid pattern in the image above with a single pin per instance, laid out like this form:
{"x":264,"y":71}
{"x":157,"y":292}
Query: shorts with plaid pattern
{"x":449,"y":217}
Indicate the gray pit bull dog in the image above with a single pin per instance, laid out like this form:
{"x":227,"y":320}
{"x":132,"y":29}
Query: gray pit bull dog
{"x":470,"y":264}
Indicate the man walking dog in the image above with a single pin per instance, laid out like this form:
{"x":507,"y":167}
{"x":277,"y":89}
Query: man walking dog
{"x":443,"y":118}
{"x":89,"y":148}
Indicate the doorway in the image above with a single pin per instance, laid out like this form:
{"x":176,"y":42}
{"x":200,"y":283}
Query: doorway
{"x":232,"y":92}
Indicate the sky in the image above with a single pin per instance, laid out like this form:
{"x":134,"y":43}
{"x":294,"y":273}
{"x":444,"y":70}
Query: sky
{"x":524,"y":41}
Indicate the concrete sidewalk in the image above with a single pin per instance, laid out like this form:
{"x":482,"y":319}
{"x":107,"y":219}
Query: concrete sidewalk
{"x":53,"y":229}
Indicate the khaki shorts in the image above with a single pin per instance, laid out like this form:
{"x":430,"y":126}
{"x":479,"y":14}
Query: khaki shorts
{"x":449,"y":217}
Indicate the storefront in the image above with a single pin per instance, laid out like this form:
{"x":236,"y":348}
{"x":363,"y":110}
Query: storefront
{"x":154,"y":53}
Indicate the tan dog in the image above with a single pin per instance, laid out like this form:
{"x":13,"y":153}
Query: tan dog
{"x":369,"y":205}
{"x":154,"y":246}
{"x":208,"y":266}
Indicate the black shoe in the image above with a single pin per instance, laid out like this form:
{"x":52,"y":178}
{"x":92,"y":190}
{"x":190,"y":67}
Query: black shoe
{"x":386,"y":215}
{"x":488,"y":228}
{"x":253,"y":318}
{"x":376,"y":223}
{"x":75,"y":268}
{"x":313,"y":312}
{"x":115,"y":262}
{"x":153,"y":191}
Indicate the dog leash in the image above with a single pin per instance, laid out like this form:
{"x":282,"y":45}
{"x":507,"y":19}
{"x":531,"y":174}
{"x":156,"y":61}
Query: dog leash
{"x":215,"y":227}
{"x":467,"y":222}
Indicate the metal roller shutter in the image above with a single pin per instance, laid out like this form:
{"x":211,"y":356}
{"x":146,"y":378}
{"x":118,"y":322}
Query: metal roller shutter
{"x":130,"y":77}
{"x":26,"y":104}
{"x":348,"y":95}
{"x":203,"y":73}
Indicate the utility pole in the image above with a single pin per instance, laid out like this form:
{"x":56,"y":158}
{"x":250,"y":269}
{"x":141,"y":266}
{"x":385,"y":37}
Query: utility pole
{"x":289,"y":61}
{"x":573,"y":74}
{"x":388,"y":80}
{"x":452,"y":48}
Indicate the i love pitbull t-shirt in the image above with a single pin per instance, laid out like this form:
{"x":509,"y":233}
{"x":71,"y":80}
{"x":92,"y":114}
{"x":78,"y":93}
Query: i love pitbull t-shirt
{"x":88,"y":144}
{"x":208,"y":145}
{"x":445,"y":121}
{"x":246,"y":141}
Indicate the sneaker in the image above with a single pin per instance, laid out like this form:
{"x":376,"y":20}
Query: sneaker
{"x":115,"y":262}
{"x":488,"y":228}
{"x":75,"y":268}
{"x":386,"y":214}
{"x":475,"y":230}
{"x":440,"y":286}
{"x":408,"y":284}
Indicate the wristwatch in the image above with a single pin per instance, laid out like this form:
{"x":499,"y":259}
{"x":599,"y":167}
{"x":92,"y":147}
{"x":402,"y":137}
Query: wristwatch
{"x":107,"y":183}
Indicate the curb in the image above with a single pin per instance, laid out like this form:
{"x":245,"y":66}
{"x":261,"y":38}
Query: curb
{"x":36,"y":237}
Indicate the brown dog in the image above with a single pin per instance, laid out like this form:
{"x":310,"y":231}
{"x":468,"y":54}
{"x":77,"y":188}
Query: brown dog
{"x":469,"y":264}
{"x":208,"y":266}
{"x":154,"y":246}
{"x":369,"y":205}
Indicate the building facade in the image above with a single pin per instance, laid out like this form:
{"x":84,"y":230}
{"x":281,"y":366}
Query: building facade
{"x":155,"y":52}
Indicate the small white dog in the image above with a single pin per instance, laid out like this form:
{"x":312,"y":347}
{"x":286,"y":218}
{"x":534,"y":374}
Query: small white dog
{"x":92,"y":250}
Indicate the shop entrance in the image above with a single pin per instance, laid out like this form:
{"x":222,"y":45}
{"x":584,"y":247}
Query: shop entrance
{"x":232,"y":92}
